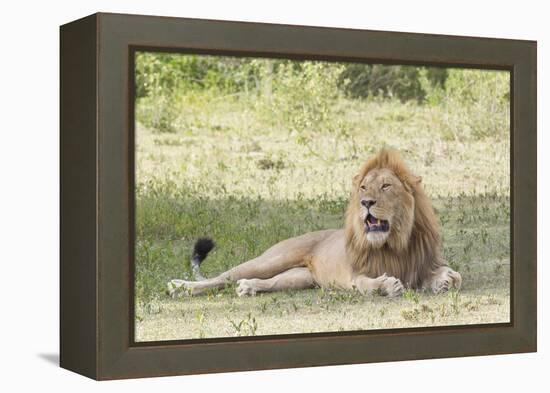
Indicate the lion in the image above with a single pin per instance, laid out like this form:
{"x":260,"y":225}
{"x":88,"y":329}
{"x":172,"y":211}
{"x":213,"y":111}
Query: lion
{"x":390,"y":241}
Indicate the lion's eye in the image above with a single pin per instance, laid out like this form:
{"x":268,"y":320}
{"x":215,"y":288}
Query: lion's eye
{"x":363,"y":187}
{"x":385,"y":186}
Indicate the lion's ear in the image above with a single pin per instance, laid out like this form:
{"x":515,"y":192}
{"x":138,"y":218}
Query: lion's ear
{"x":356,"y":180}
{"x":412,"y":182}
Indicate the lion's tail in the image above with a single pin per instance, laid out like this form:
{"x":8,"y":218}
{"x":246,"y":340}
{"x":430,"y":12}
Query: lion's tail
{"x":201,"y":249}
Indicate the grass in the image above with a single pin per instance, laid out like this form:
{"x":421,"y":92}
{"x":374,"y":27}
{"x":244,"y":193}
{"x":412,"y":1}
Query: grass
{"x":316,"y":310}
{"x":228,"y":173}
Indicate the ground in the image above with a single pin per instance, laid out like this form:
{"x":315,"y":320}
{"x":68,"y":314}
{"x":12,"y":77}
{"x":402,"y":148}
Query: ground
{"x":228,"y":175}
{"x":317,"y":310}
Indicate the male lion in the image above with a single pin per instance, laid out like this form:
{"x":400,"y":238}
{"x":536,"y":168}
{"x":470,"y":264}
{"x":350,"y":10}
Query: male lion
{"x":390,"y":240}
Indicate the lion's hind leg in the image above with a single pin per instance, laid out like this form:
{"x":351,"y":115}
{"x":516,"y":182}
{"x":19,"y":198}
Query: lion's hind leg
{"x":178,"y":288}
{"x":281,"y":258}
{"x":262,"y":268}
{"x":295,"y":278}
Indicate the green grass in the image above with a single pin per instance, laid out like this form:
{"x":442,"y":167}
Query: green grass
{"x":228,"y":173}
{"x":315,"y":310}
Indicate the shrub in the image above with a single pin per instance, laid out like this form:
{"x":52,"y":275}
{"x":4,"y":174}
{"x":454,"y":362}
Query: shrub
{"x":157,"y":112}
{"x":473,"y":104}
{"x":301,"y":95}
{"x":379,"y":80}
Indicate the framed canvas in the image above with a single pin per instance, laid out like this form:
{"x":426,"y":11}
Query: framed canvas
{"x":362,"y":196}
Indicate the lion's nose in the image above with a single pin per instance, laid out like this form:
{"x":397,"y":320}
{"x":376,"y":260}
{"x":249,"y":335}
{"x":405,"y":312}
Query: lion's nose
{"x":368,"y":202}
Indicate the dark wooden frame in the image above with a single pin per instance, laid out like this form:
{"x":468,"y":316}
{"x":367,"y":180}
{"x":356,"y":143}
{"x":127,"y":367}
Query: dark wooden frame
{"x":96,"y":316}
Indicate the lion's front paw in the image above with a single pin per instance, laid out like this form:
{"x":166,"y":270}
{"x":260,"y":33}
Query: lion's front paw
{"x":444,"y":279}
{"x":390,"y":286}
{"x":246,"y":287}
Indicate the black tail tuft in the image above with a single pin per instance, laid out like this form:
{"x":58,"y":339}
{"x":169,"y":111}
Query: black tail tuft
{"x":202,"y":247}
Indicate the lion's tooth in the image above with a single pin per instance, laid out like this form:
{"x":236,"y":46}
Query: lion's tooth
{"x":377,"y":221}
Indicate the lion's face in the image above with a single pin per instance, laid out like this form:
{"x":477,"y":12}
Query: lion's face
{"x":390,"y":223}
{"x":385,"y":208}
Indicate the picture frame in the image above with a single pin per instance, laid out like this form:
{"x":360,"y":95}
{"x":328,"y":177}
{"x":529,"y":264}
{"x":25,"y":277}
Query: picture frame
{"x":97,"y":198}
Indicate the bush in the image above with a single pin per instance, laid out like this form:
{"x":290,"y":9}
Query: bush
{"x":301,"y":96}
{"x":158,"y":112}
{"x":473,"y":104}
{"x":173,"y":72}
{"x":402,"y":82}
{"x":305,"y":98}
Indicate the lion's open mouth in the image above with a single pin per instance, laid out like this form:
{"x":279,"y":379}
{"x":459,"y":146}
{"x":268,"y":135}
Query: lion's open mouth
{"x":373,"y":224}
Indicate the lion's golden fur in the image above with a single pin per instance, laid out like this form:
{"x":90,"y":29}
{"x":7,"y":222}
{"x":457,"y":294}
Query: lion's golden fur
{"x":413,"y":250}
{"x":407,"y":255}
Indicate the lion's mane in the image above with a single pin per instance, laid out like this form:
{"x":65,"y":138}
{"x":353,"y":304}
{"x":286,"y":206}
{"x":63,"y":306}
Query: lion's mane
{"x":413,"y":249}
